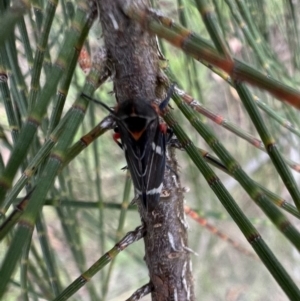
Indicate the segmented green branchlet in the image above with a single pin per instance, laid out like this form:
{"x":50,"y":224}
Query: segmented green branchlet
{"x":280,"y":221}
{"x":128,"y":239}
{"x":72,"y":152}
{"x":249,"y":231}
{"x":61,"y":96}
{"x":101,"y":128}
{"x":262,"y":105}
{"x":83,"y":142}
{"x":201,"y":50}
{"x":26,"y":42}
{"x":27,"y":221}
{"x":266,"y":56}
{"x":70,"y":225}
{"x":5,"y":93}
{"x":18,"y":80}
{"x":10,"y":16}
{"x":13,"y":218}
{"x":122,"y":217}
{"x":215,"y":231}
{"x":98,"y":187}
{"x":72,"y":119}
{"x":190,"y":63}
{"x":43,"y":153}
{"x":255,"y":45}
{"x":48,"y":255}
{"x":5,"y":142}
{"x":40,"y":52}
{"x":293,"y":31}
{"x":56,"y":202}
{"x":1,"y":163}
{"x":209,"y":19}
{"x":269,"y":143}
{"x":73,"y":42}
{"x":207,"y":13}
{"x":38,"y":13}
{"x":39,"y":278}
{"x":282,"y":121}
{"x":79,"y":204}
{"x":24,"y":270}
{"x":31,"y":169}
{"x":37,"y":281}
{"x":276,"y":199}
{"x":258,"y":122}
{"x":220,"y":120}
{"x":255,"y":39}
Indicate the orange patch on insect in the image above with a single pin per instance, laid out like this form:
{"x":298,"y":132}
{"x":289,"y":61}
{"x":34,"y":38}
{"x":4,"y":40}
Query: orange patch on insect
{"x":137,"y":135}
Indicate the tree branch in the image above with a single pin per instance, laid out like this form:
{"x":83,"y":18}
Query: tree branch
{"x":133,"y":56}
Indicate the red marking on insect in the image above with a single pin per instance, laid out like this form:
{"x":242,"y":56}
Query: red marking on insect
{"x":163,"y":128}
{"x":116,"y":137}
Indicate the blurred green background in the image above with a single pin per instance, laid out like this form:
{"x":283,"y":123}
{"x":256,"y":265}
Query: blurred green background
{"x":77,"y":236}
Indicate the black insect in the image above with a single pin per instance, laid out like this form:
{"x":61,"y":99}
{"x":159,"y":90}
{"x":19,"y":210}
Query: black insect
{"x":143,"y":139}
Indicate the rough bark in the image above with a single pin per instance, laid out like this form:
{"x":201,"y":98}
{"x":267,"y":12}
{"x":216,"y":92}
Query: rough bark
{"x":131,"y":51}
{"x":133,"y":57}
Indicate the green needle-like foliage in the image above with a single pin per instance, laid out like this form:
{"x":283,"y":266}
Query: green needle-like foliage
{"x":65,"y":196}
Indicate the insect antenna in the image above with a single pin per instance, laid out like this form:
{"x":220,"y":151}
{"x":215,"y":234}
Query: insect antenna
{"x":100,"y":103}
{"x":165,"y":102}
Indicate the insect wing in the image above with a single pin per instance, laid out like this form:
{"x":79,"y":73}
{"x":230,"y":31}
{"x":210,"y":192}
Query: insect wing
{"x":146,"y":161}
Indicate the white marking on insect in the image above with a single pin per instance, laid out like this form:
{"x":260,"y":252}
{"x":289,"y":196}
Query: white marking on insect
{"x":155,"y":190}
{"x":138,"y":192}
{"x":157,"y":149}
